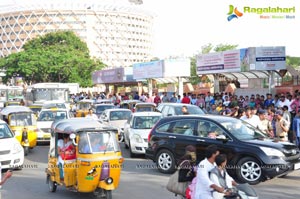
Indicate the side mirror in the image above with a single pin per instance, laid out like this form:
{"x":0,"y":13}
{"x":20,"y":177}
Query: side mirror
{"x":72,"y":137}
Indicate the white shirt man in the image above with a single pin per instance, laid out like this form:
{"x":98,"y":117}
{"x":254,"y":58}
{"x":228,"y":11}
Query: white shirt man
{"x":203,"y":189}
{"x":251,"y":119}
{"x":91,"y":115}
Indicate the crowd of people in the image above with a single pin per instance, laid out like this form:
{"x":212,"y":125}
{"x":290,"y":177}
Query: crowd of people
{"x":277,"y":116}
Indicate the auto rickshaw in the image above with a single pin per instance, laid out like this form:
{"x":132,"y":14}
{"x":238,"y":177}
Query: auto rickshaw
{"x":129,"y":104}
{"x":22,"y":122}
{"x":82,"y":108}
{"x":96,"y":165}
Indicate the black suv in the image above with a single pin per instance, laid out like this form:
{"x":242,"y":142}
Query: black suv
{"x":252,"y":157}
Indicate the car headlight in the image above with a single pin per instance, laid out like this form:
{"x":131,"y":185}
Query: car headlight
{"x":137,"y":138}
{"x":17,"y":148}
{"x":271,"y":152}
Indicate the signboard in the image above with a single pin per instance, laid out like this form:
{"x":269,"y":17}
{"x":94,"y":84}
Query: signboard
{"x":177,"y":68}
{"x":147,"y":70}
{"x":270,"y":58}
{"x":108,"y":76}
{"x":242,"y":60}
{"x":227,"y":61}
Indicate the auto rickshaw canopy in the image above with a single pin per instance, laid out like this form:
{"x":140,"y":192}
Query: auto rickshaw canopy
{"x":14,"y":109}
{"x":74,"y":125}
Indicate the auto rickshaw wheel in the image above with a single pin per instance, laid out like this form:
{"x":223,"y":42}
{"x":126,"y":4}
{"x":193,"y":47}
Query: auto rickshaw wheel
{"x":52,"y":185}
{"x":108,"y":194}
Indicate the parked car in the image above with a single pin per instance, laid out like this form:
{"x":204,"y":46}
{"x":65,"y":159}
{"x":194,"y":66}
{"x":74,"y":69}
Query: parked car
{"x":116,"y":118}
{"x":11,"y":151}
{"x":99,"y":108}
{"x":252,"y":157}
{"x":144,"y":107}
{"x":45,"y":120}
{"x":129,"y":104}
{"x":137,"y":129}
{"x":171,"y":109}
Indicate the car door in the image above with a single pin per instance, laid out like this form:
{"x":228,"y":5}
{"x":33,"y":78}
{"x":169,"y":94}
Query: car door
{"x":208,"y":133}
{"x":177,"y":135}
{"x":127,"y":127}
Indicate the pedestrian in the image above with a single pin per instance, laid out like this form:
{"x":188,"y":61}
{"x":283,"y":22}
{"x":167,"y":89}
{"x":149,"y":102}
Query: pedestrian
{"x":157,"y":99}
{"x":204,"y":186}
{"x":265,"y":125}
{"x":282,"y":126}
{"x":187,"y":171}
{"x":296,"y":128}
{"x":91,"y":115}
{"x":250,"y":118}
{"x":185,"y":99}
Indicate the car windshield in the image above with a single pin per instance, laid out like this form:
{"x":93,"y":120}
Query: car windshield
{"x":52,"y":115}
{"x":243,"y":130}
{"x":5,"y":132}
{"x":193,"y":110}
{"x":100,"y":109}
{"x":145,"y":122}
{"x":22,"y":119}
{"x":97,"y":142}
{"x":119,"y":115}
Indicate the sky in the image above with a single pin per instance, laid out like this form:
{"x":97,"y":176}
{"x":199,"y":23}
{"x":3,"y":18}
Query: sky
{"x":182,"y":27}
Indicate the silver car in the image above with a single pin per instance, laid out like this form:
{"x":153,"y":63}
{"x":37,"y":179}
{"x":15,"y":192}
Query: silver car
{"x":137,"y":129}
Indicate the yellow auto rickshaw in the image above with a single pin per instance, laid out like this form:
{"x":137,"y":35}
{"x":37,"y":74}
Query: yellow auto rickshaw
{"x":82,"y":108}
{"x":22,"y":122}
{"x":92,"y":160}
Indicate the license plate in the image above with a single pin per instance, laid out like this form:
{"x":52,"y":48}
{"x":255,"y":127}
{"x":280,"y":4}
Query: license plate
{"x":46,"y":136}
{"x":297,"y":166}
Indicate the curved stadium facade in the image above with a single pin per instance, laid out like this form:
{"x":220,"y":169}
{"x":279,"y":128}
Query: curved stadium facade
{"x":117,"y":32}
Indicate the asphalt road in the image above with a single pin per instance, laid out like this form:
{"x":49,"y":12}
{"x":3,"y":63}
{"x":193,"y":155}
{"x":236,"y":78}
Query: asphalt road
{"x":139,"y":179}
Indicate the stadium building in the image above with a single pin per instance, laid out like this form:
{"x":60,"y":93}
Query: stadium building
{"x":119,"y":32}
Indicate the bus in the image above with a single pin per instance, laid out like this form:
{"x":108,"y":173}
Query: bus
{"x":42,"y":92}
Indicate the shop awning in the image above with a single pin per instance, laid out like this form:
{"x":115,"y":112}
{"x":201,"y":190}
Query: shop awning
{"x":247,"y":75}
{"x":169,"y":80}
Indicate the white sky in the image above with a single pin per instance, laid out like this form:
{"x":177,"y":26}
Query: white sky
{"x":183,"y":26}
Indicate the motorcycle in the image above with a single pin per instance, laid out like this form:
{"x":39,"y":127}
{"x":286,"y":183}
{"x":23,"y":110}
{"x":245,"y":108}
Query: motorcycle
{"x":241,"y":191}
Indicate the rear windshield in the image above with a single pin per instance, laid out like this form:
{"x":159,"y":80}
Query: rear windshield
{"x":100,"y":109}
{"x":52,"y":115}
{"x":120,"y":115}
{"x":22,"y":119}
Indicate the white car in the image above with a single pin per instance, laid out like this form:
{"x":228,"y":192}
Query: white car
{"x":116,"y":118}
{"x":45,"y":120}
{"x":137,"y":129}
{"x":11,"y":151}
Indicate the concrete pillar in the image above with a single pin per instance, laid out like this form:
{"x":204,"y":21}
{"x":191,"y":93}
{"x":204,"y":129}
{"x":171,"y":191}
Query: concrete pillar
{"x":180,"y":86}
{"x":150,"y":87}
{"x":272,"y":82}
{"x":216,"y":83}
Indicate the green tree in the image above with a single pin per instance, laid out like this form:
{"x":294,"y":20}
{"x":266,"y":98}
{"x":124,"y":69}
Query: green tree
{"x":54,"y":57}
{"x":205,"y":50}
{"x":293,"y":61}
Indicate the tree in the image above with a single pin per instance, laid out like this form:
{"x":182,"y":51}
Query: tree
{"x":205,"y":50}
{"x":54,"y":57}
{"x":293,"y":61}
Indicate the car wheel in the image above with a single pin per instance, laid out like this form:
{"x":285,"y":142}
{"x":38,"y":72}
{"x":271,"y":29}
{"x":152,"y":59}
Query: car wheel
{"x":165,"y":161}
{"x":249,"y":171}
{"x":132,"y":155}
{"x":126,"y":145}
